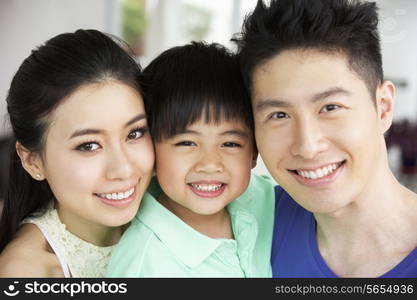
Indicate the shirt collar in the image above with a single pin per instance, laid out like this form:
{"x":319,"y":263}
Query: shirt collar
{"x":189,"y":245}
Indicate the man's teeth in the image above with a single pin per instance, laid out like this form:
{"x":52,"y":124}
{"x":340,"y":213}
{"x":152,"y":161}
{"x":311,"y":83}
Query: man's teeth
{"x":319,"y":173}
{"x":117,"y":196}
{"x":207,"y":187}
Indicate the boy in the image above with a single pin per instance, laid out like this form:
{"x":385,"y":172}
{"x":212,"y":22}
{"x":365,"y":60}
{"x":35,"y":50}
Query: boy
{"x":189,"y":224}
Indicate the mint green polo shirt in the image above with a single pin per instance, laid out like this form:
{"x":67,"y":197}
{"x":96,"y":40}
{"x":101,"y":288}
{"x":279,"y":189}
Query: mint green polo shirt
{"x":159,"y":244}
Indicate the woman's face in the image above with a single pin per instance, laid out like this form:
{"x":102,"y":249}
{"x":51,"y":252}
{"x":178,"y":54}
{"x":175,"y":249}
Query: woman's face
{"x":98,"y":157}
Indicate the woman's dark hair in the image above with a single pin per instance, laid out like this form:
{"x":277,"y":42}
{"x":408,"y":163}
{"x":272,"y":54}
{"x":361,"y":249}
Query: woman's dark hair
{"x":192,"y":82}
{"x":52,"y":72}
{"x":346,"y":26}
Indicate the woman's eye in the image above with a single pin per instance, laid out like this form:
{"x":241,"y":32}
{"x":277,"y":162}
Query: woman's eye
{"x":88,"y":147}
{"x":186,"y":143}
{"x":329,"y":107}
{"x":278,"y":115}
{"x":231,"y":145}
{"x":136,"y":133}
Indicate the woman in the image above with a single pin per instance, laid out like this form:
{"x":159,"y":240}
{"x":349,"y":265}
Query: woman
{"x":82,"y":159}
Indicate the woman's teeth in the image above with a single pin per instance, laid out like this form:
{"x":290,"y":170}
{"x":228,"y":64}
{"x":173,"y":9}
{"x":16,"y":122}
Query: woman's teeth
{"x":117,"y":196}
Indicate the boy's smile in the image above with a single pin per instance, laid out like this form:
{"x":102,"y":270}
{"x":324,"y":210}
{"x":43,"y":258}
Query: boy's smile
{"x":207,"y":188}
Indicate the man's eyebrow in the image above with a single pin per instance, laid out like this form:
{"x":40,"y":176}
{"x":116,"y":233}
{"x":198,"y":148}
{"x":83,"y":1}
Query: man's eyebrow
{"x":91,"y":131}
{"x":277,"y":103}
{"x":267,"y":103}
{"x":330,"y":92}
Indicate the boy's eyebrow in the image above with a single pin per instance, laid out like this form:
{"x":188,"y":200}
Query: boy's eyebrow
{"x":188,"y":131}
{"x":238,"y":132}
{"x":276,"y":103}
{"x":91,"y":131}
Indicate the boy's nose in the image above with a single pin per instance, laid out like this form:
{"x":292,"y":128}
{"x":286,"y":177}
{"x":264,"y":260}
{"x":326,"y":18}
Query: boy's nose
{"x":209,"y":162}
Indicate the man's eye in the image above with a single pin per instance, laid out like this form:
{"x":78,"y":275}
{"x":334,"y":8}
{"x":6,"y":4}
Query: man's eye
{"x":329,"y":107}
{"x":88,"y":147}
{"x":278,"y":115}
{"x":231,"y":145}
{"x":186,"y":143}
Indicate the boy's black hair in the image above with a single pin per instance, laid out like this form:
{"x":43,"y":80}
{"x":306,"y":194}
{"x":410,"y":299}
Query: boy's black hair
{"x":194,"y":82}
{"x":346,"y":26}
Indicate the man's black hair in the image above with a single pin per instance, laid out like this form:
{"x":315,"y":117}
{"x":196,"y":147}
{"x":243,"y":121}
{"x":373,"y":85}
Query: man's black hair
{"x":345,"y":26}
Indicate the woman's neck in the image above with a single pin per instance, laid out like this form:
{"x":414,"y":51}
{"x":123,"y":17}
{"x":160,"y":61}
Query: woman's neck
{"x":94,"y":233}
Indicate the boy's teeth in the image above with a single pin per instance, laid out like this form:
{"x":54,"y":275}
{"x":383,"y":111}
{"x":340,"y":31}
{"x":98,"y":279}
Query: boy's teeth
{"x":319,"y":173}
{"x":117,"y":196}
{"x":207,"y":187}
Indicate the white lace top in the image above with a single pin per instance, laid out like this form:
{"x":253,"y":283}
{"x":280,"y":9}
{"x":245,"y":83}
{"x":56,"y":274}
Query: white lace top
{"x":78,"y":258}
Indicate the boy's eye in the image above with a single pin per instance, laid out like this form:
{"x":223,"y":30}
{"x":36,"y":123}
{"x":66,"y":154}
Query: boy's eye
{"x":231,"y":145}
{"x":329,"y":107}
{"x":88,"y":147}
{"x":279,"y":115}
{"x":186,"y":143}
{"x":136,"y":133}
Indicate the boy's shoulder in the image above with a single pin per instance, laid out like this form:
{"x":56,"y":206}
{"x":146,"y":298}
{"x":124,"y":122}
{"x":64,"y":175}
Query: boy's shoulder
{"x":261,"y":186}
{"x":259,"y":197}
{"x":264,"y":181}
{"x":133,"y":249}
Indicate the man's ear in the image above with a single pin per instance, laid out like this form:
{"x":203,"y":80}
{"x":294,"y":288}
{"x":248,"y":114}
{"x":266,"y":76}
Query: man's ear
{"x":31,"y":162}
{"x":385,"y":104}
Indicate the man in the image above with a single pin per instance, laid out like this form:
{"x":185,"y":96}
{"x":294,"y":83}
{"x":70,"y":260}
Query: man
{"x":321,"y":107}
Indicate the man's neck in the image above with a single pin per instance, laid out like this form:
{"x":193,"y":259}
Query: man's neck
{"x":373,"y":233}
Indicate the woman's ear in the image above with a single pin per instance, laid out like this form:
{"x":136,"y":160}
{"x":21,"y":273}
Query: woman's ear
{"x":31,"y":162}
{"x":385,"y":104}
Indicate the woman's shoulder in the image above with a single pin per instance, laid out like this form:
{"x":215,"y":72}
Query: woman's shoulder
{"x":29,"y":255}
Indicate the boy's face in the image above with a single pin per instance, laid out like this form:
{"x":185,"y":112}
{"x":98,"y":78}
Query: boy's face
{"x":317,"y":128}
{"x":205,"y":168}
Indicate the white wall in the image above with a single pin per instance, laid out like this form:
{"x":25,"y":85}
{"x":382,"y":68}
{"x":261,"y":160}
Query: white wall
{"x":25,"y":24}
{"x":398,"y":28}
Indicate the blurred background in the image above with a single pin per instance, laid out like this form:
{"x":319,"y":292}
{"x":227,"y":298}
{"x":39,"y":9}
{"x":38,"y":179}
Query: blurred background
{"x":151,"y":26}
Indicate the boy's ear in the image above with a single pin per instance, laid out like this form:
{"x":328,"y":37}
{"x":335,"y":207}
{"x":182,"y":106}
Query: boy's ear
{"x":385,"y":104}
{"x":31,"y":162}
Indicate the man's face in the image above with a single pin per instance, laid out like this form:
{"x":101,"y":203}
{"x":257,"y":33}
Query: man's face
{"x":317,"y":128}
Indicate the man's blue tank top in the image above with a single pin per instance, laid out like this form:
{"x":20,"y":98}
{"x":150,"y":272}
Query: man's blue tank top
{"x":295,"y":251}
